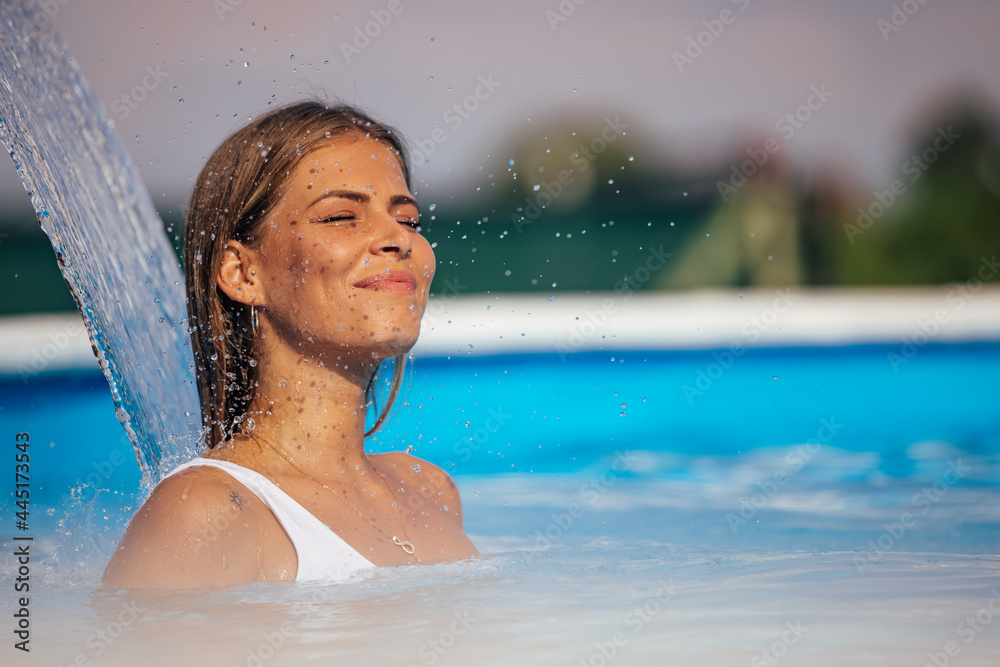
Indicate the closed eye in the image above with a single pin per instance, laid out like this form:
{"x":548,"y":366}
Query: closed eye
{"x":410,"y":222}
{"x":340,"y":217}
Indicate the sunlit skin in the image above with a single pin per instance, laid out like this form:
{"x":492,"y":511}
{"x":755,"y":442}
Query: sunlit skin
{"x":339,"y":281}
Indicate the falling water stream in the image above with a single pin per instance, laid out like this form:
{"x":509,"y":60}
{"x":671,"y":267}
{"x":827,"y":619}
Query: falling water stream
{"x":108,"y":239}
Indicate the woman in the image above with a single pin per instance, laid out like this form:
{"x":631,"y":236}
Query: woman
{"x":305,"y":271}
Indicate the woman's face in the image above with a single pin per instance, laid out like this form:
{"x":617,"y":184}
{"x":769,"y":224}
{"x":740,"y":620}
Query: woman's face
{"x":343,"y":267}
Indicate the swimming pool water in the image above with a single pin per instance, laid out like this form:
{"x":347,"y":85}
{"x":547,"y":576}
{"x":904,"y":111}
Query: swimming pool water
{"x":810,"y":507}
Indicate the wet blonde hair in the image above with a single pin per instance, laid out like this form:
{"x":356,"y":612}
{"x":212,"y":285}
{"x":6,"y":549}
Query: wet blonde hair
{"x":238,"y":186}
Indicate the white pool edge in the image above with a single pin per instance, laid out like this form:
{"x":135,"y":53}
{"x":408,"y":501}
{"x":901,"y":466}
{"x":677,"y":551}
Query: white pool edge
{"x":570,"y":322}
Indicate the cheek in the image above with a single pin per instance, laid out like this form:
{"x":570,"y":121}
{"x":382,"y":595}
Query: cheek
{"x":321,"y":265}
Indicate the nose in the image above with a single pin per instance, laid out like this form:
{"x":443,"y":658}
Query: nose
{"x":391,"y":238}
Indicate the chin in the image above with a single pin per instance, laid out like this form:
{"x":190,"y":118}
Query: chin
{"x":395,"y":343}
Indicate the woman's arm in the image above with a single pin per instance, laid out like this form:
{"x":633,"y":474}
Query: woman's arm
{"x":196,"y":529}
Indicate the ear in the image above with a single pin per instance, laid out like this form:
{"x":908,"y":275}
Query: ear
{"x":238,"y":275}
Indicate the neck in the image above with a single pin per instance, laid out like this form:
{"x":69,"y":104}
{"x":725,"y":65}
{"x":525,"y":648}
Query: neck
{"x":311,"y":407}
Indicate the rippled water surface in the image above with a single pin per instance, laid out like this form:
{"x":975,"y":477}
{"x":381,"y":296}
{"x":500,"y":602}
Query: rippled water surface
{"x":639,"y":575}
{"x":839,"y":514}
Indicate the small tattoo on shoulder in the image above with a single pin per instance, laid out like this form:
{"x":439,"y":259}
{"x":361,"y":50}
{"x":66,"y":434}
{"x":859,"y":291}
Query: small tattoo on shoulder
{"x":235,"y":497}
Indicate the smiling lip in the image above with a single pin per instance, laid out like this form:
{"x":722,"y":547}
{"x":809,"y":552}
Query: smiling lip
{"x":396,"y":282}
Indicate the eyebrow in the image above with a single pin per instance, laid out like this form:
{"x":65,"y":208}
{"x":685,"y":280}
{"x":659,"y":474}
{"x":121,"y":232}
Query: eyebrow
{"x":364,"y":198}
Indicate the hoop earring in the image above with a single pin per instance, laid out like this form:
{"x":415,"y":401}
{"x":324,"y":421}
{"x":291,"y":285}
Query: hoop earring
{"x":253,"y":319}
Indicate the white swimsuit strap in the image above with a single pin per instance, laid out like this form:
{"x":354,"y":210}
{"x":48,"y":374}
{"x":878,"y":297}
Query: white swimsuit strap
{"x":322,"y":554}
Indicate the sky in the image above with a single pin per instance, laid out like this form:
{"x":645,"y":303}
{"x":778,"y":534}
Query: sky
{"x":694,"y":80}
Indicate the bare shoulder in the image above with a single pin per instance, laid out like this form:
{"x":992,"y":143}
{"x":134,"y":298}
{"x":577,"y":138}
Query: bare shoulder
{"x":197,"y":528}
{"x":429,"y":481}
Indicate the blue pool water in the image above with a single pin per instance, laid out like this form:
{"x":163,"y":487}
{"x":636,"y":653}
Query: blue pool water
{"x":538,"y":413}
{"x":817,"y":489}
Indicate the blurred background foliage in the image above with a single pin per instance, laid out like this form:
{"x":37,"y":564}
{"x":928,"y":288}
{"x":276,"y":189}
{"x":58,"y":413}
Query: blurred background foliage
{"x":523,"y":230}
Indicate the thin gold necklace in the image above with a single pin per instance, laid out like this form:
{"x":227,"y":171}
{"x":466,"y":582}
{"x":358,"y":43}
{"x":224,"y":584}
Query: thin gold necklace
{"x":403,"y":544}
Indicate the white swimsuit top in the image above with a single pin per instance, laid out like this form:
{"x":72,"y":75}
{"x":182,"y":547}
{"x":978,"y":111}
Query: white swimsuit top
{"x":322,"y":554}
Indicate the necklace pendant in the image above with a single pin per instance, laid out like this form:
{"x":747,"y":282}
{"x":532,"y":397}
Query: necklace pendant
{"x":405,"y":545}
